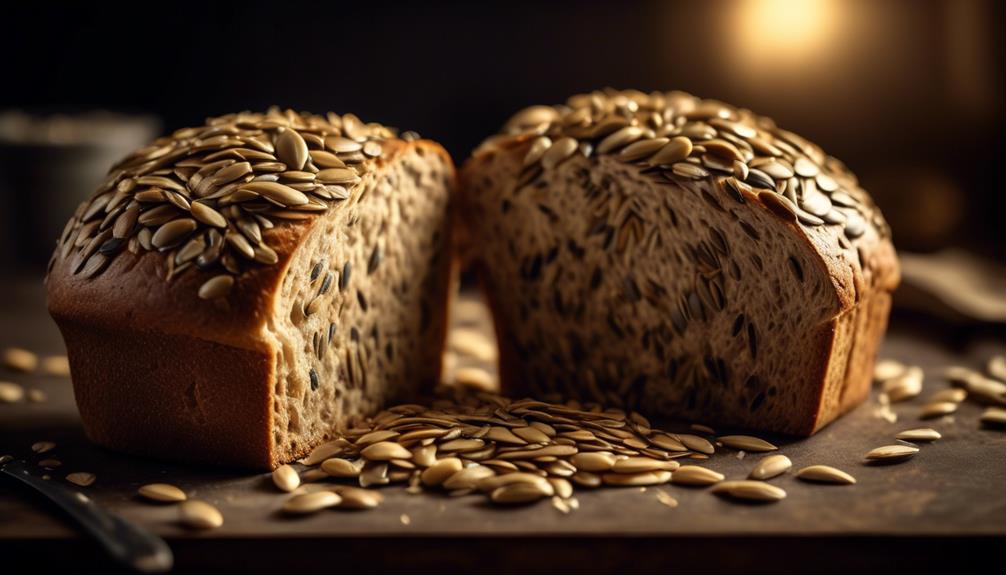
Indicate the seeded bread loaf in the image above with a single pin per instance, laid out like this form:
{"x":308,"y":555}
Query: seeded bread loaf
{"x":678,"y":256}
{"x":233,"y":291}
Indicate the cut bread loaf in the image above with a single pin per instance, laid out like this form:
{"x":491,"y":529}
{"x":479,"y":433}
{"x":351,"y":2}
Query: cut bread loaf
{"x":678,"y":256}
{"x":236,"y":290}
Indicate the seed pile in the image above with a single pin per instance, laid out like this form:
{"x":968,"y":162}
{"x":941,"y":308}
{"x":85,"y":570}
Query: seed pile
{"x":677,"y":136}
{"x":206,"y":197}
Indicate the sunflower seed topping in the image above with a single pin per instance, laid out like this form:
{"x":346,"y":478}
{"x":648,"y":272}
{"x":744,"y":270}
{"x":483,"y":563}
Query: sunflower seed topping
{"x":247,"y":172}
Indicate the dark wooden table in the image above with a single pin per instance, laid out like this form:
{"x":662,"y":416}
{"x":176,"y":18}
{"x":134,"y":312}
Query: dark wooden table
{"x":944,"y":509}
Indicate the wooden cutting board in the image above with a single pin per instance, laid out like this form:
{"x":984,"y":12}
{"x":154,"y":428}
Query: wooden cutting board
{"x":946,"y":508}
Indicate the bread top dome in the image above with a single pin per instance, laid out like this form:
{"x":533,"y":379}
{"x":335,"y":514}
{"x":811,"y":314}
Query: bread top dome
{"x":682,"y":137}
{"x":207,"y":197}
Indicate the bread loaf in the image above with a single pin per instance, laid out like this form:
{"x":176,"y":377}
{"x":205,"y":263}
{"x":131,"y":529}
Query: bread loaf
{"x":678,"y":256}
{"x":235,"y":290}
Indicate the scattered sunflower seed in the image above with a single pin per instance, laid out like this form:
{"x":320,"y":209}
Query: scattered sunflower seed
{"x":162,"y":493}
{"x":81,"y":478}
{"x":937,"y":409}
{"x":307,"y":503}
{"x":197,"y":514}
{"x":994,"y":417}
{"x":20,"y":360}
{"x":749,"y":490}
{"x":57,"y":365}
{"x":825,"y":474}
{"x":43,"y":446}
{"x":919,"y":434}
{"x":695,"y":475}
{"x":285,"y":478}
{"x":10,"y":392}
{"x":747,"y":443}
{"x":892,"y":453}
{"x":771,"y":466}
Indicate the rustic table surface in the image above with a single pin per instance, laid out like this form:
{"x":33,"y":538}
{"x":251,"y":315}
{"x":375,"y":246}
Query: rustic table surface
{"x":944,"y":509}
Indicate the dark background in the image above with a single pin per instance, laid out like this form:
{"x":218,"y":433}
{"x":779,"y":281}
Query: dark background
{"x":909,"y":93}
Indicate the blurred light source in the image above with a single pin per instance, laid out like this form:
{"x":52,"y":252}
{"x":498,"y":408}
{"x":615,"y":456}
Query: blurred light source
{"x":784,"y":33}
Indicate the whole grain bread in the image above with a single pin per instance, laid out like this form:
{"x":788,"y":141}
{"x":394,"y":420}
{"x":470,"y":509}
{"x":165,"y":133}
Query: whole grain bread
{"x":678,"y":256}
{"x":305,"y":285}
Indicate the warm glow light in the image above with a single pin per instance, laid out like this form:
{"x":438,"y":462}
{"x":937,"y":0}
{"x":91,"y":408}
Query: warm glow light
{"x":784,"y":32}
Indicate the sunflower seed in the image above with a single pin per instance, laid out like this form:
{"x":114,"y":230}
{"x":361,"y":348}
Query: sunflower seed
{"x":749,"y":490}
{"x":996,"y":367}
{"x":641,"y":464}
{"x":825,"y":474}
{"x":440,"y":471}
{"x":276,"y":192}
{"x":173,"y":232}
{"x":285,"y":478}
{"x":291,"y":149}
{"x":674,"y":151}
{"x":746,"y":443}
{"x":919,"y":434}
{"x":197,"y":514}
{"x":520,"y":493}
{"x":888,"y":369}
{"x":385,"y":451}
{"x":695,"y":475}
{"x":356,"y":498}
{"x":81,"y":478}
{"x":162,"y":493}
{"x":207,"y":215}
{"x":560,"y":151}
{"x":336,"y":467}
{"x":216,"y":287}
{"x":619,"y":139}
{"x":10,"y":392}
{"x":307,"y":503}
{"x":696,"y":443}
{"x":892,"y":453}
{"x":593,"y":461}
{"x":43,"y":446}
{"x":994,"y":417}
{"x":50,"y":463}
{"x":58,"y":365}
{"x":468,"y":477}
{"x":637,"y":479}
{"x":771,"y":466}
{"x":492,"y":483}
{"x":937,"y":409}
{"x":18,"y":359}
{"x":904,"y":386}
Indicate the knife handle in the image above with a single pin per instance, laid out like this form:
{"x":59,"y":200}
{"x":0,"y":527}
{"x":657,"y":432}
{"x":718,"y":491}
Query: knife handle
{"x":127,"y":543}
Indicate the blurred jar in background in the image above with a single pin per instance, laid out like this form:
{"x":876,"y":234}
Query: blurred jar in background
{"x":48,"y":164}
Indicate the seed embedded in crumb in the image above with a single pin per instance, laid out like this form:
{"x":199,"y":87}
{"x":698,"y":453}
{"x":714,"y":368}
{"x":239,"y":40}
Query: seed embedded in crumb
{"x":197,"y":514}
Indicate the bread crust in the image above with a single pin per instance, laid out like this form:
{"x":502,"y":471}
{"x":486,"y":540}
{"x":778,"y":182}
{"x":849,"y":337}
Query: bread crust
{"x":160,"y":372}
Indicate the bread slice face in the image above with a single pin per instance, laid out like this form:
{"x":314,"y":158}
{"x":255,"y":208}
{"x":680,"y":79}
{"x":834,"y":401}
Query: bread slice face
{"x":641,"y":265}
{"x":251,"y":358}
